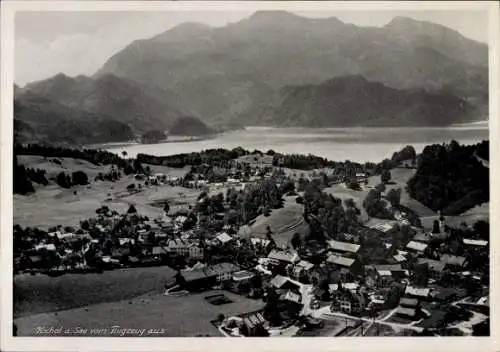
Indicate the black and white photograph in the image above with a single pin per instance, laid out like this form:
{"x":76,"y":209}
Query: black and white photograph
{"x":252,"y":170}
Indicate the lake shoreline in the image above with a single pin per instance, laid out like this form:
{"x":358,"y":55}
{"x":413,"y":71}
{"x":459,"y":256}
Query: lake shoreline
{"x":360,"y":144}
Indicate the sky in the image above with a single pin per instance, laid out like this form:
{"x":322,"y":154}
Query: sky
{"x":50,"y":42}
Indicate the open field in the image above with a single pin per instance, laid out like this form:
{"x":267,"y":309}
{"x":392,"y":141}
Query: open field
{"x":177,"y":316}
{"x":53,"y":205}
{"x":399,"y":178}
{"x":342,"y":192}
{"x":284,"y":222}
{"x":480,"y":212}
{"x":41,"y":293}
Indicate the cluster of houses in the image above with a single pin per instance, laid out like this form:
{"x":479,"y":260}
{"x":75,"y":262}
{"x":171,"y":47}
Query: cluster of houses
{"x":414,"y":282}
{"x":416,"y":288}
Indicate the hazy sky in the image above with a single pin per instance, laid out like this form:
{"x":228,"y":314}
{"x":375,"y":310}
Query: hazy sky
{"x":74,"y":43}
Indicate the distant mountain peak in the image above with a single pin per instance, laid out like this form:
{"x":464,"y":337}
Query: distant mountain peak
{"x":403,"y":23}
{"x":351,"y":79}
{"x":280,"y":16}
{"x":184,"y":31}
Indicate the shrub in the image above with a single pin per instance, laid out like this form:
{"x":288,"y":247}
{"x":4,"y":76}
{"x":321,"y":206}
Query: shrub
{"x":79,"y":178}
{"x":63,"y":180}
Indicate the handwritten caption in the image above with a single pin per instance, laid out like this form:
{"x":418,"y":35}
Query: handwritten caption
{"x":114,"y":330}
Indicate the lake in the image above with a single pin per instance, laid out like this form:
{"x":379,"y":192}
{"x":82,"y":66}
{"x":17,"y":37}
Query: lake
{"x":358,"y":144}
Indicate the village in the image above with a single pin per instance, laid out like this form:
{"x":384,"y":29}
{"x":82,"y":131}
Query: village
{"x":384,"y":278}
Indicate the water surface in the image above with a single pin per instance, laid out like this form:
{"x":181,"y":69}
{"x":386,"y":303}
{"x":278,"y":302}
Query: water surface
{"x":355,"y":143}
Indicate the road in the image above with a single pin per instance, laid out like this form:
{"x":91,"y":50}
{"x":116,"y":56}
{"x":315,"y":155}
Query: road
{"x":324,"y":313}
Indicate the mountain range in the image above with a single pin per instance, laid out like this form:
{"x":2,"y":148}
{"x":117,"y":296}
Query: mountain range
{"x":277,"y":68}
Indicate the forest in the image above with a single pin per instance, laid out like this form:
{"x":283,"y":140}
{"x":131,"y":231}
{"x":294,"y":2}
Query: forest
{"x":450,"y":177}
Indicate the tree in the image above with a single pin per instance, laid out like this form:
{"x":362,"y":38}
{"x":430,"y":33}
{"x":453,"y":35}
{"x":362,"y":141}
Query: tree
{"x":63,"y":180}
{"x":296,"y":241}
{"x":385,"y":176}
{"x":79,"y":178}
{"x":394,"y":196}
{"x":124,"y":153}
{"x":220,"y":317}
{"x":380,"y":187}
{"x":436,"y":227}
{"x":131,"y":209}
{"x":349,"y":203}
{"x":22,"y":184}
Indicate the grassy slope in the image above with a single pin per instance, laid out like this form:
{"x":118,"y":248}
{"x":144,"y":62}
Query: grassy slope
{"x":41,"y":293}
{"x":284,"y":222}
{"x":53,"y":205}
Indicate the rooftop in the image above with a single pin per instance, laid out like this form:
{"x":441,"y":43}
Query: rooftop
{"x":406,"y":311}
{"x":417,"y":291}
{"x":433,"y":264}
{"x":450,"y":259}
{"x":290,"y":257}
{"x":242,"y":275}
{"x":342,"y":261}
{"x":422,"y":237}
{"x":475,"y":242}
{"x":209,"y":271}
{"x":409,"y":302}
{"x":224,"y":237}
{"x":417,"y":246}
{"x":343,"y":246}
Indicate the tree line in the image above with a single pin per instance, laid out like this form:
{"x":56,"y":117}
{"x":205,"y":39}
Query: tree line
{"x":450,"y":178}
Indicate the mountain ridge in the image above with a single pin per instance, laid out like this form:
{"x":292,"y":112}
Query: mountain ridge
{"x":226,"y":72}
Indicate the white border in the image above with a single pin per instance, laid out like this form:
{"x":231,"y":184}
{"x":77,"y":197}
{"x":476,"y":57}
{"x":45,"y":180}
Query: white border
{"x":8,"y":343}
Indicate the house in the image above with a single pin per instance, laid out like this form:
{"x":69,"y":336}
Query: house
{"x":409,"y":302}
{"x":410,"y":313}
{"x":345,"y":265}
{"x":343,"y":248}
{"x":417,"y":292}
{"x":416,"y":247}
{"x":384,"y":227}
{"x":159,"y":251}
{"x":436,"y":268}
{"x":361,"y":177}
{"x":177,"y":247}
{"x":125,"y":240}
{"x":222,"y":271}
{"x":385,"y":275}
{"x":348,"y":302}
{"x":477,"y":243}
{"x":223,"y":238}
{"x":262,"y":242}
{"x":206,"y":277}
{"x":284,"y":257}
{"x":302,"y":268}
{"x":243,"y":275}
{"x":252,"y":323}
{"x":195,"y":251}
{"x":453,"y":261}
{"x":291,"y":297}
{"x":424,"y":237}
{"x":400,"y":257}
{"x":351,"y":286}
{"x":45,"y":246}
{"x":284,"y":283}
